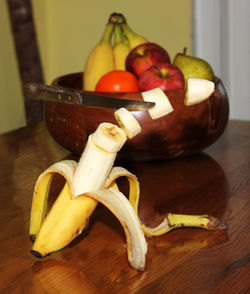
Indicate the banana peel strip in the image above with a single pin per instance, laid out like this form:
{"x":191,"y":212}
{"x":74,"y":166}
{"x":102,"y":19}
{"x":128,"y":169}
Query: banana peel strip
{"x":65,"y":168}
{"x":113,"y":199}
{"x":171,"y":221}
{"x":119,"y":205}
{"x":134,"y":194}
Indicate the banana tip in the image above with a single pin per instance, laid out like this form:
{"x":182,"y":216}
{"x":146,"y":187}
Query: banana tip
{"x":36,"y":253}
{"x":32,"y":238}
{"x":217,"y":224}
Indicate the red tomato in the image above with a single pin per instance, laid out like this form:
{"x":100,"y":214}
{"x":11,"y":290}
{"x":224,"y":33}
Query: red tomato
{"x":118,"y":81}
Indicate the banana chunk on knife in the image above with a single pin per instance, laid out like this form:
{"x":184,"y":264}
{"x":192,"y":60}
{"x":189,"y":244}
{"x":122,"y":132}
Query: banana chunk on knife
{"x":197,"y":90}
{"x":162,"y":104}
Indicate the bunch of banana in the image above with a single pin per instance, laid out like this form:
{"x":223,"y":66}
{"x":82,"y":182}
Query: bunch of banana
{"x":111,"y":52}
{"x":93,"y":180}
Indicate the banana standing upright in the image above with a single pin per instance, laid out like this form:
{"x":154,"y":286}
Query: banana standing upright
{"x":100,"y":60}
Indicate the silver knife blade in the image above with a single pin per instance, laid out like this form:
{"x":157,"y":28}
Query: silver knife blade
{"x":70,"y":96}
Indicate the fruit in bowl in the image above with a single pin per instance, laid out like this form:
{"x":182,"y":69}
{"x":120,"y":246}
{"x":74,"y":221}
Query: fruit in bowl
{"x":188,"y":129}
{"x":118,"y":81}
{"x":185,"y":131}
{"x":144,"y":56}
{"x":163,"y":75}
{"x":193,"y":67}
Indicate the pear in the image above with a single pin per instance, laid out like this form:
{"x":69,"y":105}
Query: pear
{"x":193,"y":67}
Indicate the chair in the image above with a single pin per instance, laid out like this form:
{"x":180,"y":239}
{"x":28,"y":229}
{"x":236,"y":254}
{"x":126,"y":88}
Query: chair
{"x":30,"y":68}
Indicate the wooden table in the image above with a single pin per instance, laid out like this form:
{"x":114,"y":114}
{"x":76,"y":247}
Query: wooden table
{"x":216,"y":181}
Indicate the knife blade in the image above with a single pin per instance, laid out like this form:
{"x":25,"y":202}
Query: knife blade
{"x":74,"y":97}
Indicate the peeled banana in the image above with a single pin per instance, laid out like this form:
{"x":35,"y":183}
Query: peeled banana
{"x":69,"y":214}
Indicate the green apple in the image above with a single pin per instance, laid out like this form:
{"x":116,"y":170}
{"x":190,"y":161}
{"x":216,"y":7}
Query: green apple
{"x":193,"y":67}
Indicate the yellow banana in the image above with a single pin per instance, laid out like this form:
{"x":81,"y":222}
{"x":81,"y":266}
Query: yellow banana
{"x":134,"y":39}
{"x":100,"y":60}
{"x":121,"y":49}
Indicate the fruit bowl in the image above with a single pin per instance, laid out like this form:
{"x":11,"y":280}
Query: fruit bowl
{"x":185,"y":131}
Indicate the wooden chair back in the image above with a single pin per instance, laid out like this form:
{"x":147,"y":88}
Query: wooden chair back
{"x":27,"y":51}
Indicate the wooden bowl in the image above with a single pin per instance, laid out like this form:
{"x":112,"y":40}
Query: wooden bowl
{"x":185,"y":131}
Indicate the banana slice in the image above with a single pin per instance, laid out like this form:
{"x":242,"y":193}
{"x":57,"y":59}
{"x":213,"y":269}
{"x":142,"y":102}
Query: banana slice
{"x":198,"y":90}
{"x":162,"y":104}
{"x":109,"y":137}
{"x":127,"y":122}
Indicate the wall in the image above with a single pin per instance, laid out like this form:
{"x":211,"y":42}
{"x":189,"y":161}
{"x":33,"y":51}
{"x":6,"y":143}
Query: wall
{"x":68,"y":30}
{"x":221,"y":36}
{"x":11,"y":100}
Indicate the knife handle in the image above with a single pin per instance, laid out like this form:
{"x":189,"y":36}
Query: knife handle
{"x":52,"y":94}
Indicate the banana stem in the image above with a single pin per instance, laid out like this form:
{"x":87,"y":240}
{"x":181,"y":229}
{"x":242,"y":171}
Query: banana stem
{"x":117,"y":18}
{"x":202,"y":221}
{"x":108,"y":32}
{"x":119,"y":37}
{"x":134,"y":39}
{"x":128,"y":31}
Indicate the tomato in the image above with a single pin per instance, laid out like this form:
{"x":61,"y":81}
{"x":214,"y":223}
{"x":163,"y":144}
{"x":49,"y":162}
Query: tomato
{"x":118,"y":81}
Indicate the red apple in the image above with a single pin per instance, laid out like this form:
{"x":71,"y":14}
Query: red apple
{"x":144,"y":56}
{"x":163,"y":75}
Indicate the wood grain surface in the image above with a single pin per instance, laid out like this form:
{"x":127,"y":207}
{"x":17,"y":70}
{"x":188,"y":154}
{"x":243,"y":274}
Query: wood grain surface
{"x":216,"y":181}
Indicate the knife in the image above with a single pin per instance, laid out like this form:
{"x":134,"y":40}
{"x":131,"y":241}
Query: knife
{"x":74,"y":97}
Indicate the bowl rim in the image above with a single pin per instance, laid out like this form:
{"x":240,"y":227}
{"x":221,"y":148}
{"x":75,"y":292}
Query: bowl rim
{"x":55,"y":82}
